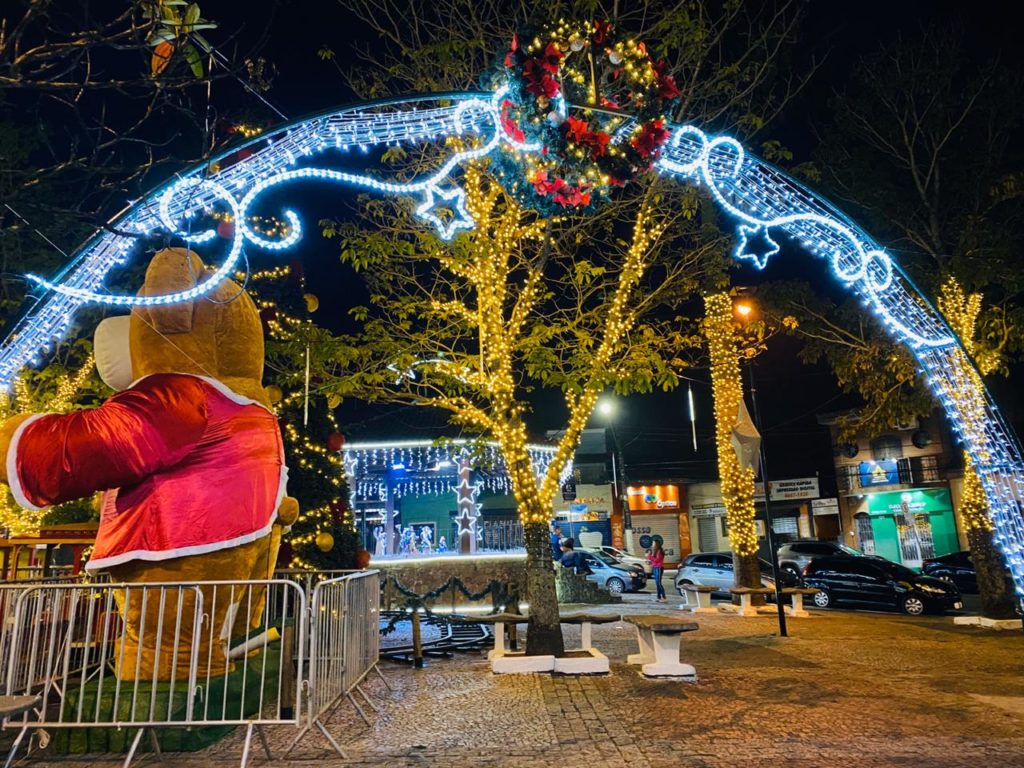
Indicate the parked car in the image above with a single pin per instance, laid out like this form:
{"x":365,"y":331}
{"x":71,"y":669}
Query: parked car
{"x":612,"y":576}
{"x":877,"y":583}
{"x":795,"y":555}
{"x":624,"y":558}
{"x":958,"y":568}
{"x":714,"y":569}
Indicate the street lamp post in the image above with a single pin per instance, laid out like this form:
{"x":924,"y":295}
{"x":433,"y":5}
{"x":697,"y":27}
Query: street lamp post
{"x":606,"y":407}
{"x":744,"y":310}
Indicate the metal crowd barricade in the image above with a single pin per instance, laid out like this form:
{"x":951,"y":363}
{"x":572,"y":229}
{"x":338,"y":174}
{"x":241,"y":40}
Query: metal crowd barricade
{"x":151,"y":656}
{"x":344,"y":647}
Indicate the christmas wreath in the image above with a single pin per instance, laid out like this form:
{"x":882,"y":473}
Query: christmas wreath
{"x":595,"y":103}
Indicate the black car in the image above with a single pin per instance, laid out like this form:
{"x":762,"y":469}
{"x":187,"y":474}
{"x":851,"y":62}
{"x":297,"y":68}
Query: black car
{"x":958,"y":568}
{"x":874,"y":582}
{"x":955,"y":568}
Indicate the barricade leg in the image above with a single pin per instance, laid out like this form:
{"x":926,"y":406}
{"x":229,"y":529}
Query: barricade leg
{"x":14,"y":746}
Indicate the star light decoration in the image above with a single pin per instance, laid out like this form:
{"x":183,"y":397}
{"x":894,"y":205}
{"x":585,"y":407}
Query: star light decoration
{"x":460,"y":218}
{"x":755,"y":244}
{"x":469,"y":510}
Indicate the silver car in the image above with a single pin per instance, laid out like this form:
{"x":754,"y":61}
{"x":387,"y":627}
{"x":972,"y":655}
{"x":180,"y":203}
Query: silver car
{"x":624,"y":558}
{"x":714,"y":569}
{"x":605,"y":572}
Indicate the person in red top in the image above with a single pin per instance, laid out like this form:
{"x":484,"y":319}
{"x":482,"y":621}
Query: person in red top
{"x":657,"y":560}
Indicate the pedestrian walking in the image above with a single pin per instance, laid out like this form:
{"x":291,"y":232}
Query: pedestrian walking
{"x":657,"y":560}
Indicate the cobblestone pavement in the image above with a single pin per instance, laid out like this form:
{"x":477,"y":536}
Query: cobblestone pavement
{"x":846,"y":689}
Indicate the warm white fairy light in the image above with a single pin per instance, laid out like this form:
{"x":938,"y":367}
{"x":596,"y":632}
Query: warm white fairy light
{"x":763,"y":199}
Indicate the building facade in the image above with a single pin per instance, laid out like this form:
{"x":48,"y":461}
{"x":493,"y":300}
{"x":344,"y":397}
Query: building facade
{"x":899,"y":491}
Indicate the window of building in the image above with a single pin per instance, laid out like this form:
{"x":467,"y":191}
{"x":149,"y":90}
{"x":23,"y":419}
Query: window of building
{"x":886,"y":447}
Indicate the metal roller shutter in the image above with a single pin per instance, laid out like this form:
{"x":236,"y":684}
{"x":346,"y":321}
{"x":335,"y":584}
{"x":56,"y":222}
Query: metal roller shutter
{"x":666,"y":526}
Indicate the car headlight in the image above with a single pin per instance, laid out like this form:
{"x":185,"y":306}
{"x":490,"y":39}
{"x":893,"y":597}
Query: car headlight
{"x":931,"y":590}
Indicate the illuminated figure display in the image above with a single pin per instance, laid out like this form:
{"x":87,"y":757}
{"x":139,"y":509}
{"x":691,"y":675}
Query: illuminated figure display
{"x":768,"y":206}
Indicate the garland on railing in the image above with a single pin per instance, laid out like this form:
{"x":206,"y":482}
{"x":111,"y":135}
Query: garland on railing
{"x":501,"y":594}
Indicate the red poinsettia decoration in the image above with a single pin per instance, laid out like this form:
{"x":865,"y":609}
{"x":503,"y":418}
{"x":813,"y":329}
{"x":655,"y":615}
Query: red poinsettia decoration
{"x":579,"y":132}
{"x":649,"y":138}
{"x":667,"y":88}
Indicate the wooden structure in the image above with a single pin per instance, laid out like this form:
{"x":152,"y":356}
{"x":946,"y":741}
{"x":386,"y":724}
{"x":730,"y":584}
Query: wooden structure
{"x":35,"y":557}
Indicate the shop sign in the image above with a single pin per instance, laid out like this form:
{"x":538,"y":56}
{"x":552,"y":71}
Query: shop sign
{"x":922,"y":501}
{"x":569,"y":491}
{"x":797,"y":488}
{"x":707,"y":510}
{"x":884,"y":472}
{"x":825,"y":506}
{"x":653,"y":497}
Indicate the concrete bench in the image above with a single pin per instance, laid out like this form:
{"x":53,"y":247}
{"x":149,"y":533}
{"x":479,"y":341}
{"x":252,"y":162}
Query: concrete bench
{"x":501,"y":658}
{"x":797,"y":596}
{"x":702,"y":595}
{"x":594,"y":662}
{"x":745,"y":593}
{"x":658,"y":637}
{"x":12,"y":706}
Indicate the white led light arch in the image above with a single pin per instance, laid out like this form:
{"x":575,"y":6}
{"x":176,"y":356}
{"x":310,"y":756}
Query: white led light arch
{"x":765,"y":202}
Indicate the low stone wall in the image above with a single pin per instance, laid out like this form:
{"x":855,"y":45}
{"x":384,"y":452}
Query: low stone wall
{"x":476,"y":573}
{"x":572,"y":588}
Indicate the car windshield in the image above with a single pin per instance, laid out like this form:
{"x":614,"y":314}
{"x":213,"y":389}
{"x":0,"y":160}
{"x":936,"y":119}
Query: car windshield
{"x":895,"y":570}
{"x":603,"y":558}
{"x":850,"y":550}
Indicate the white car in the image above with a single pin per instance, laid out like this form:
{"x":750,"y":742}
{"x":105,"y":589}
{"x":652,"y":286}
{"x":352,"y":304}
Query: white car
{"x":625,"y":558}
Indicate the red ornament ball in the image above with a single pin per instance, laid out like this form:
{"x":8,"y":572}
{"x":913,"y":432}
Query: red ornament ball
{"x":226,"y":229}
{"x":362,"y":559}
{"x":335,"y":441}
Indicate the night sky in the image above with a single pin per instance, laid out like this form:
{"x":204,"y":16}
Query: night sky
{"x":653,"y":429}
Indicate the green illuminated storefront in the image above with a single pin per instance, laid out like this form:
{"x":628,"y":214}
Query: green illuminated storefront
{"x":909,"y":526}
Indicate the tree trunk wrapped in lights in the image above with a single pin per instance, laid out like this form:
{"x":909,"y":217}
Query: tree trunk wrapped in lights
{"x":737,"y":481}
{"x":961,"y":310}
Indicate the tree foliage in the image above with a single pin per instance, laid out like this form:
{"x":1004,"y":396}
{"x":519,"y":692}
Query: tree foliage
{"x":920,"y":147}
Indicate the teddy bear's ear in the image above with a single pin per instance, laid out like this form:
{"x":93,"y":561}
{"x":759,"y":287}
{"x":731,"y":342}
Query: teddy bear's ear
{"x":170,"y":271}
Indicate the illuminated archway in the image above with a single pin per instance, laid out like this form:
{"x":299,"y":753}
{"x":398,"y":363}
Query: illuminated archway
{"x":763,"y":199}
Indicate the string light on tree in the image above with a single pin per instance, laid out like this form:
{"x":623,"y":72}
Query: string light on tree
{"x":737,"y":482}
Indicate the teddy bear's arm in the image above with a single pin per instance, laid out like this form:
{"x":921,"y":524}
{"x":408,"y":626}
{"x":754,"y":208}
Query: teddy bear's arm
{"x":134,"y":434}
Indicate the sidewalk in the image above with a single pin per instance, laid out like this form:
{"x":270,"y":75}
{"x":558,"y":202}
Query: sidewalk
{"x":845,"y":690}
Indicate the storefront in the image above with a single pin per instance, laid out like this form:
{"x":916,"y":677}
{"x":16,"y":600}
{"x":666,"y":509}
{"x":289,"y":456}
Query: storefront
{"x":657,"y":512}
{"x":907,"y":526}
{"x":587,"y":517}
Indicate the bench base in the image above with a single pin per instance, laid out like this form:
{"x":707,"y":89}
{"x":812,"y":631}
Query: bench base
{"x":797,"y":614}
{"x":659,"y":655}
{"x":596,"y":663}
{"x":981,"y":621}
{"x":698,"y":608}
{"x":739,"y":610}
{"x":663,"y":669}
{"x":521,"y":664}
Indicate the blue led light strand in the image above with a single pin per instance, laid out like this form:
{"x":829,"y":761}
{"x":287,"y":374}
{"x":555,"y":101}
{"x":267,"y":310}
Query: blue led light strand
{"x":762,"y":199}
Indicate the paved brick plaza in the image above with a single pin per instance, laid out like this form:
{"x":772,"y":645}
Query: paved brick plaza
{"x":848,"y":689}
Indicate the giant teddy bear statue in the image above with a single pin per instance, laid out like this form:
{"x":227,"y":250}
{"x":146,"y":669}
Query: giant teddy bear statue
{"x":190,"y":460}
